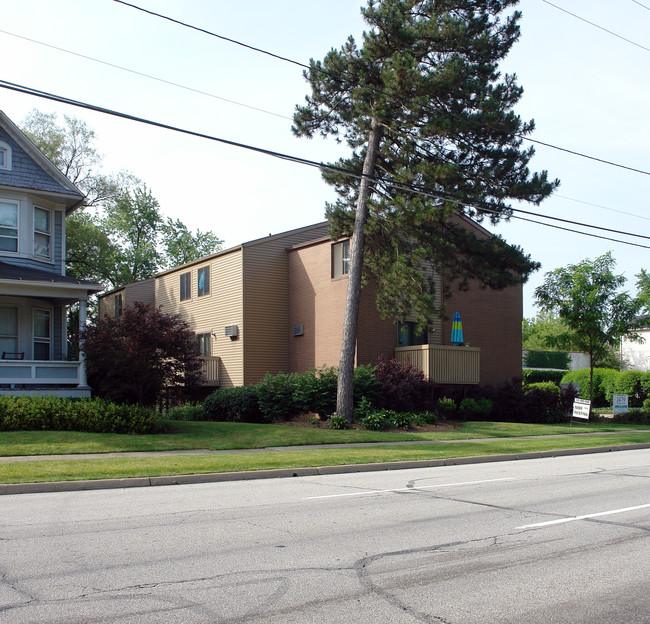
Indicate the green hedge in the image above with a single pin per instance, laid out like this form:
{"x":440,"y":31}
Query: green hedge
{"x":604,"y":379}
{"x":547,"y":359}
{"x":58,"y":414}
{"x":540,"y":376}
{"x":636,"y":384}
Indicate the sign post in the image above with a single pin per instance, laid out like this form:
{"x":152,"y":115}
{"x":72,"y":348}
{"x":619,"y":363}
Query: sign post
{"x":581,"y":409}
{"x":619,"y":404}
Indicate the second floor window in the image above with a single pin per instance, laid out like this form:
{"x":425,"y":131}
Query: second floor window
{"x":409,"y":336}
{"x":341,"y":258}
{"x":42,"y":233}
{"x":186,"y":286}
{"x":203,"y":278}
{"x":8,"y":226}
{"x":118,"y":305}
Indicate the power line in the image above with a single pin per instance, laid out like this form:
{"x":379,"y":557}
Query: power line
{"x":138,"y":73}
{"x":64,"y":100}
{"x":641,"y":5}
{"x":376,"y":90}
{"x":582,"y":19}
{"x":580,"y":201}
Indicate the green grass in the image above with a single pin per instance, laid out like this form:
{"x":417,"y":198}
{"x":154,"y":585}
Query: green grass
{"x":114,"y":468}
{"x":223,"y":436}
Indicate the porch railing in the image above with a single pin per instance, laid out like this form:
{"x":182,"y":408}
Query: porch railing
{"x":24,"y":373}
{"x":444,"y":364}
{"x":210,"y":371}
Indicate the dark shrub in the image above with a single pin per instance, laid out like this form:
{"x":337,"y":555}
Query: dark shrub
{"x":187,"y":411}
{"x":238,"y":404}
{"x":315,"y":391}
{"x":446,"y":407}
{"x":634,"y":417}
{"x":92,"y":415}
{"x":276,"y":395}
{"x":404,"y":386}
{"x":537,"y":376}
{"x":367,"y":385}
{"x":475,"y":409}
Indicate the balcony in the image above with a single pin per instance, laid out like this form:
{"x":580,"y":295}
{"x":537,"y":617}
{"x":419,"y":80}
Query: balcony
{"x":210,"y":371}
{"x":444,"y":364}
{"x":26,"y":377}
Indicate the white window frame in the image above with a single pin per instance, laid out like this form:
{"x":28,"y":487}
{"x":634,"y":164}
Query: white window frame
{"x":42,"y":233}
{"x":17,"y":237}
{"x":42,"y":339}
{"x":5,"y":150}
{"x":204,"y":344}
{"x":8,"y":336}
{"x":341,"y":258}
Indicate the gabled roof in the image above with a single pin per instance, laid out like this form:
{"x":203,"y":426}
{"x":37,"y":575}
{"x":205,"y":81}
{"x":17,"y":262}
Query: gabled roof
{"x":31,"y":171}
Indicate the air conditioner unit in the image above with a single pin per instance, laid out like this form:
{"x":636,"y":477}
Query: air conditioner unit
{"x":298,"y":330}
{"x":232,"y":331}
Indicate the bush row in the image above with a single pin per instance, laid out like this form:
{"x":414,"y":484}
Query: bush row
{"x":58,"y":414}
{"x":607,"y":382}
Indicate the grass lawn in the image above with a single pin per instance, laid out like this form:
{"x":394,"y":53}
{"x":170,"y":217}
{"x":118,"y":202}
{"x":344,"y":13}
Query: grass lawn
{"x":222,"y":436}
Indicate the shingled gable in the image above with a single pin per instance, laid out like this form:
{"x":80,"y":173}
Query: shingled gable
{"x":32,"y":171}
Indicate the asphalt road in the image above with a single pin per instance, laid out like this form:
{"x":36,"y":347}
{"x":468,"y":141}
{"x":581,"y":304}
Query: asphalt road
{"x":565,"y":539}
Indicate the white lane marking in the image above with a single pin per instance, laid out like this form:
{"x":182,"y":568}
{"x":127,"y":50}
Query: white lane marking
{"x":585,"y":517}
{"x":423,"y":487}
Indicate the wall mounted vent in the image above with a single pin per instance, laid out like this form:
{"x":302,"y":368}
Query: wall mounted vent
{"x":298,"y":330}
{"x":232,"y":331}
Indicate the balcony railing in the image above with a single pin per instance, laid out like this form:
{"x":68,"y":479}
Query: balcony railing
{"x":444,"y":364}
{"x":39,"y":372}
{"x":210,"y":371}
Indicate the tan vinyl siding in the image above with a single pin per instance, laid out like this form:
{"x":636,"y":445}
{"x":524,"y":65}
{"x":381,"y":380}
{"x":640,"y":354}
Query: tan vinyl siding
{"x":214,"y":311}
{"x":266,"y":301}
{"x":144,"y":292}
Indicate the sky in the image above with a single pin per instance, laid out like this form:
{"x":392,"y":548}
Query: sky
{"x":586,"y":89}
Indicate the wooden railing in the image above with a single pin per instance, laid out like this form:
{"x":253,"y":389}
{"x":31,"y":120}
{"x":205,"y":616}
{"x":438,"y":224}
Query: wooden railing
{"x":39,"y":372}
{"x":444,"y":364}
{"x":210,"y":371}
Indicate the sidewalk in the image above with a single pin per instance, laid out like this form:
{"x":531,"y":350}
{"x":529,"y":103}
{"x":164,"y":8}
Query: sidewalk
{"x":71,"y":486}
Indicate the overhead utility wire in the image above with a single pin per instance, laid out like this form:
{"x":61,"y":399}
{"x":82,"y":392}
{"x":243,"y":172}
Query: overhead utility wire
{"x":647,"y":8}
{"x":137,"y":73}
{"x":64,"y":100}
{"x":611,"y":32}
{"x":392,"y":95}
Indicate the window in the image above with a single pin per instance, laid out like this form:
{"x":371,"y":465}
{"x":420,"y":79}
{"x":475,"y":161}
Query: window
{"x":8,"y":329}
{"x":203,"y":277}
{"x":42,"y":334}
{"x":205,"y":344}
{"x":186,"y":286}
{"x":118,"y":305}
{"x":341,"y":258}
{"x":408,"y":335}
{"x":42,"y":232}
{"x":5,"y":155}
{"x":8,"y":226}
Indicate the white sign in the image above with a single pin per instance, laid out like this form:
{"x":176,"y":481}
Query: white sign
{"x":619,"y":404}
{"x":581,"y":408}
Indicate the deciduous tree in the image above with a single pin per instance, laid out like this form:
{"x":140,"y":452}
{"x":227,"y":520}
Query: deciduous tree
{"x":429,"y":122}
{"x":588,"y":298}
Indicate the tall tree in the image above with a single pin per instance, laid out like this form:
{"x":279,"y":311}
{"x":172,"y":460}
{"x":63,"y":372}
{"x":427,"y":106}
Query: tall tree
{"x":429,"y":122}
{"x":643,"y":289}
{"x":588,"y":297}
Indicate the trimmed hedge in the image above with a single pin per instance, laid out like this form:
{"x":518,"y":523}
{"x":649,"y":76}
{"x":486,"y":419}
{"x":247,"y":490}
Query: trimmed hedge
{"x":604,"y":378}
{"x":93,"y":415}
{"x":547,"y":359}
{"x":531,"y":376}
{"x":636,"y":384}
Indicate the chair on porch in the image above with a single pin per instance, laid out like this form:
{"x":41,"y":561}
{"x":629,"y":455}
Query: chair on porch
{"x":13,"y":355}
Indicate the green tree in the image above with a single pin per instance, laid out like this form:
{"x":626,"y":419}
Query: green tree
{"x":180,"y":245}
{"x":422,"y":107}
{"x":588,"y":297}
{"x":643,"y":289}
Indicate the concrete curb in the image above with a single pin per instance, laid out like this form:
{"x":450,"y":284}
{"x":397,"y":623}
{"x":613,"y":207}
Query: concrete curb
{"x":218,"y":477}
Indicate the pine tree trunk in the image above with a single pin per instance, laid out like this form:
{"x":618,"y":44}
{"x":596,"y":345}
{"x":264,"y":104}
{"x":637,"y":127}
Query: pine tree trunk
{"x":345,"y":388}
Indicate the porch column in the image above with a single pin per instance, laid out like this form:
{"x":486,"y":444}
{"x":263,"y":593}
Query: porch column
{"x":83,"y":379}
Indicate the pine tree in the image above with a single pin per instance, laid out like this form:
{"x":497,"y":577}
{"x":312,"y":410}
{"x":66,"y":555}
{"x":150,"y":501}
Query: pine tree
{"x":429,"y":122}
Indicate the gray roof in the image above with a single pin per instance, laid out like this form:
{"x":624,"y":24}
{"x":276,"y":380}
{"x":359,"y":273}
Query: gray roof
{"x":19,"y":273}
